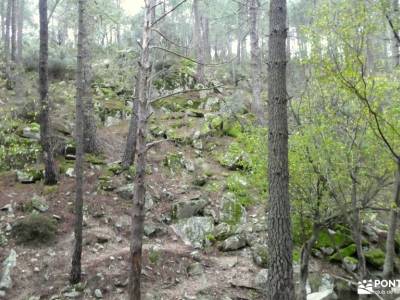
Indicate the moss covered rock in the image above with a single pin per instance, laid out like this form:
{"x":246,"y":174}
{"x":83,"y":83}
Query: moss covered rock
{"x":375,"y":257}
{"x":348,"y":251}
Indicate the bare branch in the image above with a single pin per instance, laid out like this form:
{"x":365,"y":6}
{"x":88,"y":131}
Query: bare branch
{"x":184,"y":92}
{"x":167,"y":13}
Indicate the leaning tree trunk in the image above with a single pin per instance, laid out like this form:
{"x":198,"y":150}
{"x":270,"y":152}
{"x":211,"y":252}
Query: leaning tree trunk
{"x":280,"y":273}
{"x":305,"y":262}
{"x":90,"y":140}
{"x":256,"y":62}
{"x":200,"y":77}
{"x":50,"y":174}
{"x":388,"y":267}
{"x":138,"y":212}
{"x":81,"y":88}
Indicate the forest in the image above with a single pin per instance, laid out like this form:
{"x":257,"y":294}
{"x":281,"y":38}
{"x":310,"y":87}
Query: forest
{"x":200,"y":149}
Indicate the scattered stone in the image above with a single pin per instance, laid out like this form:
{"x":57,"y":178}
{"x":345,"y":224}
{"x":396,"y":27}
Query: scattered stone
{"x":70,"y":172}
{"x":72,"y":294}
{"x":195,"y":269}
{"x":39,"y":204}
{"x":233,"y":243}
{"x":328,"y":251}
{"x":350,"y":264}
{"x":31,"y":133}
{"x":260,"y":255}
{"x":98,"y":294}
{"x":222,"y":231}
{"x":125,"y":192}
{"x":231,"y":211}
{"x":8,"y":265}
{"x":7,"y":208}
{"x":28,"y":176}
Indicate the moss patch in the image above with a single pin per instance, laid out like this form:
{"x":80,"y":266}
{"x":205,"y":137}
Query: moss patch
{"x":375,"y":257}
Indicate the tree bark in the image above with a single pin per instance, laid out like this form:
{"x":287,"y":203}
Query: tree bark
{"x":305,"y":262}
{"x":280,"y":274}
{"x":81,"y":88}
{"x":20,"y":26}
{"x":388,"y":267}
{"x":256,"y":62}
{"x":90,"y":139}
{"x":200,"y":76}
{"x":50,"y":176}
{"x":138,"y":213}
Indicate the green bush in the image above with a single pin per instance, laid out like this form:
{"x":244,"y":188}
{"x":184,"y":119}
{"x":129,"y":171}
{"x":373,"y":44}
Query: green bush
{"x":35,"y":229}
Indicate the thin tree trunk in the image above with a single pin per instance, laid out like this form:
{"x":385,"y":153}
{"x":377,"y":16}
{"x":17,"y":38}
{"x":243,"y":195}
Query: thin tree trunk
{"x":3,"y":22}
{"x":395,"y":42}
{"x":305,"y":262}
{"x":89,"y":134}
{"x":356,"y":230}
{"x":130,"y":148}
{"x":200,"y":77}
{"x":50,"y":176}
{"x":7,"y":45}
{"x":256,"y":62}
{"x":280,"y":273}
{"x":81,"y":88}
{"x":19,"y":88}
{"x":388,"y":267}
{"x":206,"y":39}
{"x":14,"y":31}
{"x":138,"y":213}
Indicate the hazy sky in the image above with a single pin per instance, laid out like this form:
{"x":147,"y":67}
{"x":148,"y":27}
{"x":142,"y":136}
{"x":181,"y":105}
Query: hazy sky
{"x":132,"y":7}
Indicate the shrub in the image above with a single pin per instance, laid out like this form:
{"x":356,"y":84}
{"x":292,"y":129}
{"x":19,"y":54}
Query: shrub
{"x":35,"y":229}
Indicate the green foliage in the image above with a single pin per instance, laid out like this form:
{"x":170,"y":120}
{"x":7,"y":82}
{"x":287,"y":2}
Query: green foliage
{"x":154,"y":255}
{"x":35,"y":229}
{"x":350,"y":250}
{"x":16,"y":151}
{"x":174,"y":75}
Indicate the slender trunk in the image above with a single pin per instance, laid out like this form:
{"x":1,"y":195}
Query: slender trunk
{"x":239,"y":36}
{"x":14,"y":31}
{"x":7,"y":42}
{"x":20,"y":27}
{"x":19,"y":89}
{"x":395,"y":42}
{"x":206,"y":39}
{"x":200,"y":77}
{"x":130,"y":148}
{"x":280,"y":284}
{"x":3,"y":22}
{"x":388,"y":267}
{"x":256,"y":62}
{"x":356,"y":230}
{"x":90,"y":141}
{"x":81,"y":89}
{"x":138,"y":213}
{"x":50,"y":176}
{"x":305,"y":262}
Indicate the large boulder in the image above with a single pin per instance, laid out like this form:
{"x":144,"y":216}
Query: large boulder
{"x":233,"y":243}
{"x":231,"y":210}
{"x":187,"y":209}
{"x":194,"y":231}
{"x":375,"y":257}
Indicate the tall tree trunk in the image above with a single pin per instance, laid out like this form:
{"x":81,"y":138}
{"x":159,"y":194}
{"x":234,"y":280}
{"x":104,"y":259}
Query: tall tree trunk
{"x":3,"y":22}
{"x":82,"y":91}
{"x":130,"y":147}
{"x":280,"y":273}
{"x":395,"y":42}
{"x":19,"y":88}
{"x":305,"y":262}
{"x":7,"y":45}
{"x":14,"y":31}
{"x":50,"y":174}
{"x":356,"y":229}
{"x":138,"y":212}
{"x":388,"y":267}
{"x":256,"y":62}
{"x":90,"y":139}
{"x":206,"y":39}
{"x":200,"y":77}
